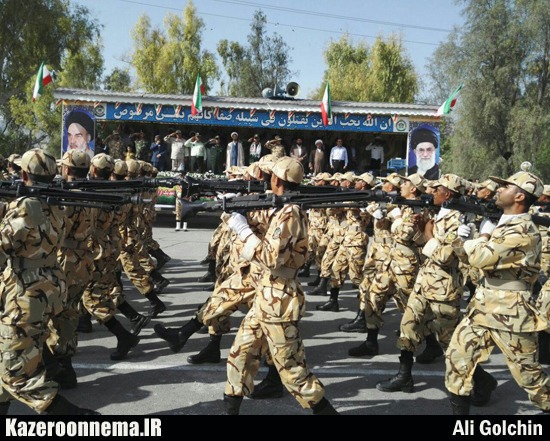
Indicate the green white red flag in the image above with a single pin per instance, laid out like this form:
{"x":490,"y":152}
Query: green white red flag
{"x":196,"y":106}
{"x":326,"y":106}
{"x":449,"y":103}
{"x":43,"y":78}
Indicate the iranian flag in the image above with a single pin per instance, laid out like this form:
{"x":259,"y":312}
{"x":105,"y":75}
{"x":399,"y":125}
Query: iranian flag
{"x":449,"y":103}
{"x":43,"y":78}
{"x":326,"y":106}
{"x":196,"y":106}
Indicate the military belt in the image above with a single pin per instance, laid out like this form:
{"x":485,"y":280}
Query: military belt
{"x":506,"y":284}
{"x":284,"y":272}
{"x":24,"y":263}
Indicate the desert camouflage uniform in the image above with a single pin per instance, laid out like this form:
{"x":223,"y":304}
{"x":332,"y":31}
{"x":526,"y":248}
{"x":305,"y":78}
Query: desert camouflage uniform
{"x":216,"y":240}
{"x":434,"y":305}
{"x":502,"y":312}
{"x":317,"y":230}
{"x":33,"y":290}
{"x":119,"y":236}
{"x":277,"y":309}
{"x":335,"y":234}
{"x":149,"y":241}
{"x":396,"y":276}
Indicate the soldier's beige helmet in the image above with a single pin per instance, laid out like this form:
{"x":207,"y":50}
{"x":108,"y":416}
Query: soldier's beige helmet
{"x":76,"y":159}
{"x":289,"y":170}
{"x":368,"y":178}
{"x":121,"y":168}
{"x":349,"y":176}
{"x":133,"y":167}
{"x":528,"y":182}
{"x":39,"y":163}
{"x":393,"y":178}
{"x":103,"y":162}
{"x":450,"y":181}
{"x":254,"y":171}
{"x":266,"y":163}
{"x":489,"y":184}
{"x":417,"y":180}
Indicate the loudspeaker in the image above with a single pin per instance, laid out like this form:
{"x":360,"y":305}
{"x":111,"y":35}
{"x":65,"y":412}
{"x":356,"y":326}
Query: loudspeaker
{"x":293,"y":88}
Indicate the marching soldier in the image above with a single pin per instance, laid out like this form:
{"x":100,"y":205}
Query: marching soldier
{"x":543,"y":298}
{"x":501,"y":312}
{"x":434,"y":305}
{"x":33,"y":290}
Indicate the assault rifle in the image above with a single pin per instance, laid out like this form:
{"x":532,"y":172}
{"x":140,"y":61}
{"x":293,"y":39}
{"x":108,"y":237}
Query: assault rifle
{"x":471,"y":207}
{"x":131,"y":186}
{"x":56,"y":196}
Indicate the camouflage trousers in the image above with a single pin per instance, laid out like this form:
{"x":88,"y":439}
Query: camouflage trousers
{"x":228,"y":296}
{"x":385,"y":285}
{"x":543,"y":300}
{"x":423,"y":316}
{"x":77,"y":265}
{"x":373,"y":262}
{"x":30,"y":298}
{"x":348,"y":259}
{"x":224,"y":269}
{"x":316,"y":246}
{"x":144,"y":258}
{"x":135,"y":271}
{"x":215,"y":241}
{"x":472,"y":344}
{"x":97,"y":298}
{"x":328,"y":258}
{"x":288,"y":355}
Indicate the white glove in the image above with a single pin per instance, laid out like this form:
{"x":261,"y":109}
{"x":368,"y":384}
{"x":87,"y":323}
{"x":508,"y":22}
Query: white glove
{"x":464,"y":231}
{"x":486,"y":227}
{"x":227,"y":196}
{"x":238,"y":223}
{"x":395,"y":213}
{"x":378,"y":214}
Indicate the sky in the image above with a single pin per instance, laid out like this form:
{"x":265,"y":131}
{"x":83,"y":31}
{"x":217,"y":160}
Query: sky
{"x":307,"y":26}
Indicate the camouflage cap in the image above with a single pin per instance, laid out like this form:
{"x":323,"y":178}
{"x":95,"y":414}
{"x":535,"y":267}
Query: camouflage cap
{"x":336,"y":177}
{"x":452,"y":182}
{"x":133,"y":166}
{"x":528,"y":182}
{"x":325,"y":176}
{"x":394,"y":179}
{"x":121,"y":168}
{"x":349,"y":176}
{"x":266,"y":163}
{"x":488,"y":184}
{"x":146,"y":168}
{"x":546,"y":191}
{"x":368,"y":178}
{"x":76,"y":159}
{"x":38,"y":162}
{"x":254,"y":171}
{"x":15,"y":158}
{"x":103,"y":162}
{"x":289,"y":170}
{"x":417,"y":180}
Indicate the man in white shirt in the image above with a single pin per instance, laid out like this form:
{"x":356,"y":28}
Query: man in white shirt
{"x":338,"y":157}
{"x":197,"y":153}
{"x":376,"y":149}
{"x":177,"y":149}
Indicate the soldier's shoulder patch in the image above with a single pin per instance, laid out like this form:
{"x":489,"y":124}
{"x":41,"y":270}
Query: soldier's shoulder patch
{"x":450,"y":237}
{"x":277,"y":233}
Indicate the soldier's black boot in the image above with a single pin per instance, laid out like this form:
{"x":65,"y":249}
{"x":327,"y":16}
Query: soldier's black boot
{"x":210,"y":354}
{"x":484,"y":385}
{"x":156,"y":305}
{"x":161,"y":282}
{"x":137,"y":320}
{"x":205,"y":260}
{"x":316,"y":281}
{"x":210,"y":275}
{"x":84,"y":323}
{"x":232,"y":404}
{"x":305,"y":271}
{"x":460,"y":404}
{"x":332,"y":304}
{"x":177,"y":337}
{"x":4,"y":408}
{"x":161,"y":257}
{"x":358,"y":324}
{"x":368,"y":347}
{"x":431,"y":352}
{"x":324,"y":407}
{"x":61,"y":406}
{"x":403,"y":381}
{"x":125,"y":340}
{"x":544,"y":347}
{"x":321,"y":290}
{"x":270,"y":387}
{"x":66,"y":378}
{"x":51,"y":364}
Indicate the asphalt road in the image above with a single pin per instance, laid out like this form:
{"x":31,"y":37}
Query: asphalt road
{"x":155,"y":381}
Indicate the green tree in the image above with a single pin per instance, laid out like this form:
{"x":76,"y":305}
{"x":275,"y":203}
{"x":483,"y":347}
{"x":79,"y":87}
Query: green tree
{"x":53,"y":31}
{"x":118,"y":80}
{"x":169,"y":61}
{"x":263,"y":63}
{"x":357,"y":72}
{"x":501,"y":54}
